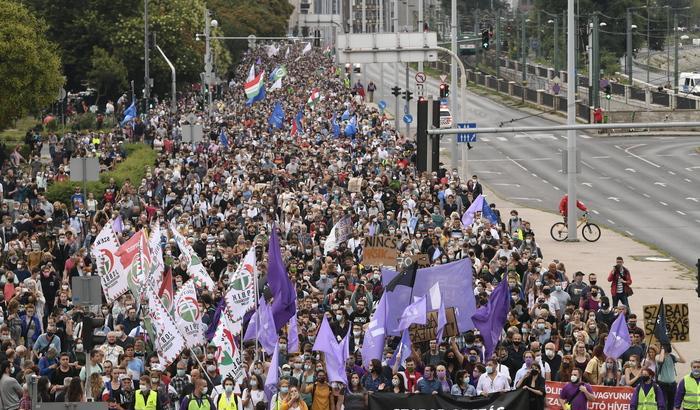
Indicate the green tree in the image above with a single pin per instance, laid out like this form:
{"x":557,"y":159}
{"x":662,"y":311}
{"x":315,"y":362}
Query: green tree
{"x":108,"y":74}
{"x":30,"y":73}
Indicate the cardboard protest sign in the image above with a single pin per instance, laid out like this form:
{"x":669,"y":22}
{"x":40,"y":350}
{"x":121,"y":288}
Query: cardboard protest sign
{"x":380,"y":251}
{"x":676,"y":319}
{"x":355,"y":185}
{"x":428,"y":331}
{"x":404,"y":261}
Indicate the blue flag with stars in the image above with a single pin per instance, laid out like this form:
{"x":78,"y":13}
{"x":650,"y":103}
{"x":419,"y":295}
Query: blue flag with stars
{"x":277,"y":116}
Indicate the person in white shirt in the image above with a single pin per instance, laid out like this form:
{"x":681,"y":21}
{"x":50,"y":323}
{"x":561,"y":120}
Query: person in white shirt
{"x":491,"y":381}
{"x":530,"y":358}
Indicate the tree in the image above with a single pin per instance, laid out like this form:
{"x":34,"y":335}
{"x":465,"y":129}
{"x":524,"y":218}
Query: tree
{"x":30,"y":73}
{"x":108,"y":74}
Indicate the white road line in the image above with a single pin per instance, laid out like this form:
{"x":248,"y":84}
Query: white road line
{"x":629,"y":233}
{"x":545,"y":181}
{"x":502,"y":138}
{"x":662,"y":184}
{"x":692,"y":199}
{"x":687,"y":180}
{"x":595,"y":212}
{"x":611,"y":222}
{"x":588,"y":184}
{"x":630,"y":169}
{"x":663,"y":203}
{"x":612,"y":198}
{"x":671,"y":172}
{"x":680,"y":212}
{"x":646,"y":195}
{"x":627,"y":151}
{"x":485,"y":139}
{"x":517,"y":163}
{"x":587,"y":164}
{"x":534,"y":175}
{"x":601,"y":157}
{"x":525,"y":199}
{"x":584,"y":136}
{"x":556,"y":188}
{"x":630,"y":187}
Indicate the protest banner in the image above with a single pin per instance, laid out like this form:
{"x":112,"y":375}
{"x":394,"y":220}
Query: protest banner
{"x":428,"y":331}
{"x":511,"y":400}
{"x":678,"y":324}
{"x":606,"y":398}
{"x":380,"y":251}
{"x":355,"y":184}
{"x":404,"y":261}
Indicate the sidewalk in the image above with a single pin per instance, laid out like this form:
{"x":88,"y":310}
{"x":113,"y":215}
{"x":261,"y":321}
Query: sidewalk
{"x":652,"y":280}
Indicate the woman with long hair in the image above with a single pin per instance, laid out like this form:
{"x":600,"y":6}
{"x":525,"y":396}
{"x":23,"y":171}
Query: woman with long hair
{"x":533,"y":383}
{"x":611,"y":377}
{"x":74,"y":393}
{"x":397,"y":383}
{"x":567,"y":364}
{"x":355,"y":394}
{"x":633,"y":371}
{"x":97,"y":384}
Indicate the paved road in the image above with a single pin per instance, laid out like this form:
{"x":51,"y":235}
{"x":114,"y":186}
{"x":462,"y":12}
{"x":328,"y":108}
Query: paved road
{"x":645,"y":187}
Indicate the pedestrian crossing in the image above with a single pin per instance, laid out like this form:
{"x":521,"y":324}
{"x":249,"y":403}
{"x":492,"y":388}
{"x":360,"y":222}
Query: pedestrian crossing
{"x":525,"y":137}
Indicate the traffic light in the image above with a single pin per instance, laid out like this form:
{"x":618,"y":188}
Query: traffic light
{"x":608,"y":92}
{"x":485,"y":38}
{"x":407,"y":95}
{"x":396,"y":91}
{"x":444,"y":90}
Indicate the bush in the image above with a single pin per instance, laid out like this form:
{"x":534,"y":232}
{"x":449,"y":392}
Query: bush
{"x":139,"y":156}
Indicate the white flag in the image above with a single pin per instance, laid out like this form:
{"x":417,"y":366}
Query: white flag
{"x":240,"y":297}
{"x":168,"y":342}
{"x":227,"y":356}
{"x":286,"y":53}
{"x":341,"y":232}
{"x":108,"y":267}
{"x":276,"y":85}
{"x":188,"y":315}
{"x":272,"y":50}
{"x":251,"y":74}
{"x":195,"y":269}
{"x":307,"y":48}
{"x":154,"y":277}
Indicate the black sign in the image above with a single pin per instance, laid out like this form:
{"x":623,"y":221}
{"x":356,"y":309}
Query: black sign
{"x":512,"y":400}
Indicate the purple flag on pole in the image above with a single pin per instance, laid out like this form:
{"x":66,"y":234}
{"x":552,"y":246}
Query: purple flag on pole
{"x":211,"y":330}
{"x":403,"y":350}
{"x":266,"y":334}
{"x":336,"y":353}
{"x":618,"y":340}
{"x":273,"y":374}
{"x":490,"y":319}
{"x":373,"y":344}
{"x":118,"y":225}
{"x":414,"y":313}
{"x":455,"y":279}
{"x":293,"y":335}
{"x":441,"y":321}
{"x":283,"y":292}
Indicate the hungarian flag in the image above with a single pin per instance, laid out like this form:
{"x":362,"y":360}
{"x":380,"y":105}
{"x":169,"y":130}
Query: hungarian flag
{"x":253,"y":87}
{"x":165,"y":293}
{"x":314,"y":98}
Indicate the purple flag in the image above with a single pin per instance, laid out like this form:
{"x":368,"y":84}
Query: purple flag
{"x":476,"y":206}
{"x":455,"y":279}
{"x":414,"y":313}
{"x":403,"y":350}
{"x":283,"y":292}
{"x":490,"y":319}
{"x":335,"y":353}
{"x":373,"y":344}
{"x":618,"y":340}
{"x":293,"y":335}
{"x":211,"y":330}
{"x":117,"y":224}
{"x":273,"y":374}
{"x":266,"y":333}
{"x":436,"y":302}
{"x":442,"y":322}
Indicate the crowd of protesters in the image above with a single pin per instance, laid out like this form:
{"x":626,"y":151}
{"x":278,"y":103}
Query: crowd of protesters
{"x":229,"y":193}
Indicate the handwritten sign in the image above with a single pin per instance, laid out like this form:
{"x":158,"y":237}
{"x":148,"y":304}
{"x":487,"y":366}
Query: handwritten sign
{"x":380,"y":251}
{"x":355,"y":184}
{"x":676,"y":319}
{"x":421,"y":259}
{"x":427,"y":332}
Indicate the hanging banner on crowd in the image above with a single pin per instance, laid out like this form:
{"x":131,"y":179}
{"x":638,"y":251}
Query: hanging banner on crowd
{"x":341,"y":232}
{"x":240,"y":297}
{"x":606,"y":398}
{"x":135,"y":260}
{"x":188,"y":315}
{"x":155,"y":274}
{"x":678,"y":324}
{"x":380,"y":251}
{"x":428,"y":331}
{"x":355,"y":184}
{"x":104,"y":249}
{"x":227,"y":356}
{"x":421,"y":260}
{"x":168,"y":341}
{"x":511,"y":400}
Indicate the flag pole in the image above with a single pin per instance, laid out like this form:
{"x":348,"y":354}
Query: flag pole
{"x":257,"y":306}
{"x":651,"y":336}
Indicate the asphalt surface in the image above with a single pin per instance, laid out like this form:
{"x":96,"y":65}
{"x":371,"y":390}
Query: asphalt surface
{"x":645,"y":187}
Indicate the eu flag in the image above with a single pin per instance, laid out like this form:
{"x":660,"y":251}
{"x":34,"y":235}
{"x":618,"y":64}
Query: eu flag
{"x":277,"y":116}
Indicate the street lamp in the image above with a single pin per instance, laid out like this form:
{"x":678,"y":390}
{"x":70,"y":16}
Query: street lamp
{"x":209,"y":23}
{"x":555,"y":40}
{"x":628,"y":60}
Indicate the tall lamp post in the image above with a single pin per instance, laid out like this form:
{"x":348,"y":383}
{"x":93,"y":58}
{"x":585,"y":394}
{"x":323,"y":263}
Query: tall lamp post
{"x":629,"y":60}
{"x":209,"y":23}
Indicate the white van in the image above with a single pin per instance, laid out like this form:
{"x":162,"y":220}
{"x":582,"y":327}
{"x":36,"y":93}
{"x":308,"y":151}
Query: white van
{"x":689,"y":83}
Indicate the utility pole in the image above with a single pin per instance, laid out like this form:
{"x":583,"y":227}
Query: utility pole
{"x":364,"y":16}
{"x":453,"y":81}
{"x":595,"y":73}
{"x":498,"y":43}
{"x":538,"y":51}
{"x":675,"y":52}
{"x":146,"y":59}
{"x":629,"y":60}
{"x":523,"y":48}
{"x":207,"y":59}
{"x":648,"y":41}
{"x":477,"y":26}
{"x":556,"y":44}
{"x":381,"y":19}
{"x":421,"y":19}
{"x":407,"y":107}
{"x":668,"y":49}
{"x":397,"y":66}
{"x":571,"y":120}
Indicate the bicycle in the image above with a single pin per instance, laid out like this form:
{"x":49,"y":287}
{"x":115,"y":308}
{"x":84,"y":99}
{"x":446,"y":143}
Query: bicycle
{"x":590,"y":231}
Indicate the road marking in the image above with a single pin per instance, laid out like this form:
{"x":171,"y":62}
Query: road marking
{"x":663,"y":184}
{"x":502,"y":138}
{"x":630,"y":169}
{"x":646,"y":195}
{"x":692,"y":168}
{"x":488,"y":172}
{"x":584,"y":136}
{"x":663,"y":203}
{"x":614,"y":198}
{"x":629,"y":233}
{"x":534,"y":175}
{"x":630,"y":187}
{"x":601,"y":157}
{"x":515,"y":185}
{"x":680,"y":212}
{"x":556,"y":188}
{"x":671,"y":172}
{"x":595,"y":212}
{"x":516,"y":163}
{"x":525,"y":199}
{"x":588,"y":184}
{"x":692,"y":199}
{"x":611,"y":222}
{"x":687,"y":180}
{"x":587,"y":164}
{"x":627,"y":150}
{"x":545,"y":181}
{"x":485,"y":139}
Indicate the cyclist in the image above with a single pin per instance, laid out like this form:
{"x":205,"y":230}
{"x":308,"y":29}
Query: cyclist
{"x":564,"y":203}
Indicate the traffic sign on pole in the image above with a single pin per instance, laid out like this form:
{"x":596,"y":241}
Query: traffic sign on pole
{"x":408,"y":118}
{"x":443,"y":78}
{"x":420,"y":77}
{"x":381,"y":104}
{"x":469,"y":136}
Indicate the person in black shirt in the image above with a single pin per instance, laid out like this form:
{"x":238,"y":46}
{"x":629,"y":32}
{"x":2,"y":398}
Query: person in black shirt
{"x":533,"y":383}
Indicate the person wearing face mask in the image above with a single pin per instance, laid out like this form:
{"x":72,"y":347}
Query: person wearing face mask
{"x":281,"y":396}
{"x":648,"y":394}
{"x":688,"y":392}
{"x":320,"y":391}
{"x":576,"y":394}
{"x":252,"y":395}
{"x":462,"y":386}
{"x":552,"y":359}
{"x":533,"y":383}
{"x":491,"y":381}
{"x":181,"y":379}
{"x":199,"y":399}
{"x":147,"y":398}
{"x":443,"y":378}
{"x":46,"y":340}
{"x":10,"y":389}
{"x":374,"y":380}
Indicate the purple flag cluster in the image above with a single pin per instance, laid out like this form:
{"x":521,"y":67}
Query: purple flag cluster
{"x":262,"y":327}
{"x":373,"y":343}
{"x":336,"y":353}
{"x":273,"y":374}
{"x":479,"y":205}
{"x":491,"y":318}
{"x":283,"y":292}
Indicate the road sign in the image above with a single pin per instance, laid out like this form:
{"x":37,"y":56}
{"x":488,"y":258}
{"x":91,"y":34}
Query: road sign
{"x":419,"y":89}
{"x":408,"y":118}
{"x":444,"y":101}
{"x":381,"y":104}
{"x":420,"y":77}
{"x":443,"y":78}
{"x":469,"y":136}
